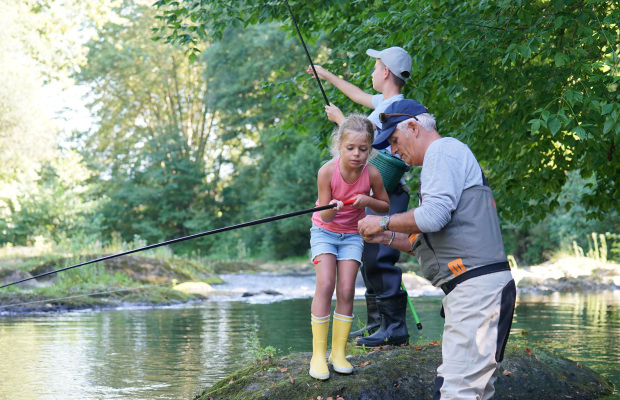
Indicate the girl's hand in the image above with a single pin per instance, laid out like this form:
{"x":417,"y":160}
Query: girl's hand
{"x":339,"y":204}
{"x":361,"y":201}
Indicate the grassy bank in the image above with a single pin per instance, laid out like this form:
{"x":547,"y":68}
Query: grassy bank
{"x":140,"y":279}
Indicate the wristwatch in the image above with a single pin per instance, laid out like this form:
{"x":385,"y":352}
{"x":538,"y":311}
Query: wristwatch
{"x":384,"y":222}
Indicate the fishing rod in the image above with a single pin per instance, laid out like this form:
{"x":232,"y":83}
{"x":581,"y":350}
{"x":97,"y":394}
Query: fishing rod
{"x":194,"y":236}
{"x":307,"y":53}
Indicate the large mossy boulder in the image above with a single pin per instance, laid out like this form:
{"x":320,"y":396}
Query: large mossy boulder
{"x":408,"y":373}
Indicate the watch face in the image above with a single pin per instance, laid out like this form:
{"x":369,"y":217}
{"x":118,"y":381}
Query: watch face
{"x":385,"y":220}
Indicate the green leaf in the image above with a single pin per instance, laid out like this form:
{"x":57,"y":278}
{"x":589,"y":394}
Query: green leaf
{"x":580,"y":132}
{"x":554,"y":125}
{"x":609,"y":124}
{"x":525,"y":51}
{"x":560,"y":59}
{"x":573,"y":96}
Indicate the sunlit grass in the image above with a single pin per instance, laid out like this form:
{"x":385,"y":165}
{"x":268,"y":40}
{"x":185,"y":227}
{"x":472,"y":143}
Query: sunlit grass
{"x":92,"y":284}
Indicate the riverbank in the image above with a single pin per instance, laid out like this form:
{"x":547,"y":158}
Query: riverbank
{"x":566,"y":274}
{"x":130,"y":280}
{"x":147,"y":281}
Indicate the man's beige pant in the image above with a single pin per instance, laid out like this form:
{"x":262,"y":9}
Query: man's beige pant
{"x":478,"y":318}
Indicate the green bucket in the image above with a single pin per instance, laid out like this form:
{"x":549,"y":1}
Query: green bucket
{"x":391,"y":169}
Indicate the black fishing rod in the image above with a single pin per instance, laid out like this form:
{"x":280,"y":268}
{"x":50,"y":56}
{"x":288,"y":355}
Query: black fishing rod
{"x":194,"y":236}
{"x":307,"y":53}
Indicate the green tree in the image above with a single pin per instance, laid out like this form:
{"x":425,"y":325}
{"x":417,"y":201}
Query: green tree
{"x":56,"y":206}
{"x":249,"y":74}
{"x":560,"y":228}
{"x":41,"y":45}
{"x":154,"y":129}
{"x":175,"y":139}
{"x":26,"y":132}
{"x":532,"y":87}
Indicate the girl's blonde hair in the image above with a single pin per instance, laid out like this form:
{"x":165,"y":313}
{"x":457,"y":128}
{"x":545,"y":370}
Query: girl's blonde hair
{"x":354,"y":123}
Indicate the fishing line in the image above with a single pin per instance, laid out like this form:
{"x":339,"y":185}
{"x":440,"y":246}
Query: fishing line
{"x":194,"y":236}
{"x":307,"y":53}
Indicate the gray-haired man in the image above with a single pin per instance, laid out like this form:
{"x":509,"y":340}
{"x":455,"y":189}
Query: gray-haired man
{"x":455,"y":234}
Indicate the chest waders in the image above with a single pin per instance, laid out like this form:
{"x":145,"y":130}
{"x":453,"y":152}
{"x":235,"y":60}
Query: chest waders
{"x":466,"y":259}
{"x":386,"y":301}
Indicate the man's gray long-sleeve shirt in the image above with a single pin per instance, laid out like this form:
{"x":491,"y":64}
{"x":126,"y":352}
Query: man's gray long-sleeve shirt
{"x":449,"y":167}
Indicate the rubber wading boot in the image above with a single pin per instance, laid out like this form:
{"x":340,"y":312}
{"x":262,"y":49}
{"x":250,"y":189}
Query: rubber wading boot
{"x":318,"y":363}
{"x":373,"y":322}
{"x":393,"y":329}
{"x":340,"y":336}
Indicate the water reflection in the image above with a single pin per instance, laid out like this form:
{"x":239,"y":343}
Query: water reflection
{"x":584,"y":328}
{"x":172,"y":353}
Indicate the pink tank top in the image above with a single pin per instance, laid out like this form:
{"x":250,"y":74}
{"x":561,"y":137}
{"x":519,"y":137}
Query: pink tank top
{"x":346,"y":219}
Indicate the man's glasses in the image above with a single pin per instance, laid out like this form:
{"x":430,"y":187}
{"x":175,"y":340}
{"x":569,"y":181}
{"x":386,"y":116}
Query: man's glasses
{"x":383,"y":117}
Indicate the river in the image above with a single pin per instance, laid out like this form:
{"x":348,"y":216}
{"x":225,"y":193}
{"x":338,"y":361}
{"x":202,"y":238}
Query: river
{"x":140,"y":353}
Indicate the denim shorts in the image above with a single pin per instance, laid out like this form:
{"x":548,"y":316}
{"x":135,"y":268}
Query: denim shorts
{"x":345,"y":246}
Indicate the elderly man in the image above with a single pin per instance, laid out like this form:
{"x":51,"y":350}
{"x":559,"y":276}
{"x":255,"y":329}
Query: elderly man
{"x":455,"y":234}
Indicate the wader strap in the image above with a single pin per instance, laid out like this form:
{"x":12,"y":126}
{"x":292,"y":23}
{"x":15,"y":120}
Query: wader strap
{"x":472,"y":273}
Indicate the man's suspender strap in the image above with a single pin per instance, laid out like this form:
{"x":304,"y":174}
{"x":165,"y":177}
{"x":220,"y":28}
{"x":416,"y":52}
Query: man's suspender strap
{"x":472,"y":273}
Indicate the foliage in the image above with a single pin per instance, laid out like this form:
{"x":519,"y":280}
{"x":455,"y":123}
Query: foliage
{"x":221,"y":124}
{"x":91,"y":277}
{"x":296,"y":189}
{"x":175,"y":137}
{"x":26,"y":138}
{"x":558,"y":230}
{"x":56,"y":206}
{"x":258,"y":352}
{"x":288,"y":184}
{"x":39,"y":45}
{"x":531,"y":87}
{"x":614,"y":245}
{"x":154,"y":129}
{"x":244,"y":72}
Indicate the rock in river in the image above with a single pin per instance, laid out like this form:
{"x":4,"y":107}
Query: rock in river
{"x":408,"y":372}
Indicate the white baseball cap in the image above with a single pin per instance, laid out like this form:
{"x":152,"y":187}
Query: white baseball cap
{"x":396,"y":59}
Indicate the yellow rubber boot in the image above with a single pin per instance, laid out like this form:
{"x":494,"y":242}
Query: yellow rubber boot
{"x":340,"y":336}
{"x":318,"y":363}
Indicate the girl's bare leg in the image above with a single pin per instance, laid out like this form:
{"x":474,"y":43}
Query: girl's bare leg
{"x":325,"y":283}
{"x":345,"y":290}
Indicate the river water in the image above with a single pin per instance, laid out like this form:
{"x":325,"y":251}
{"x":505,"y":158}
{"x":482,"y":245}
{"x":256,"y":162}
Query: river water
{"x":174,"y":352}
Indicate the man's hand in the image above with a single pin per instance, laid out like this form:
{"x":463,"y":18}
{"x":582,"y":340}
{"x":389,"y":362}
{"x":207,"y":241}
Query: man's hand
{"x":380,"y":237}
{"x":369,"y":226}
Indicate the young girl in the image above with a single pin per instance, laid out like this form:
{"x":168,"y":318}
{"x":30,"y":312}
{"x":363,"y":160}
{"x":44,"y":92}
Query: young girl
{"x":334,"y":239}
